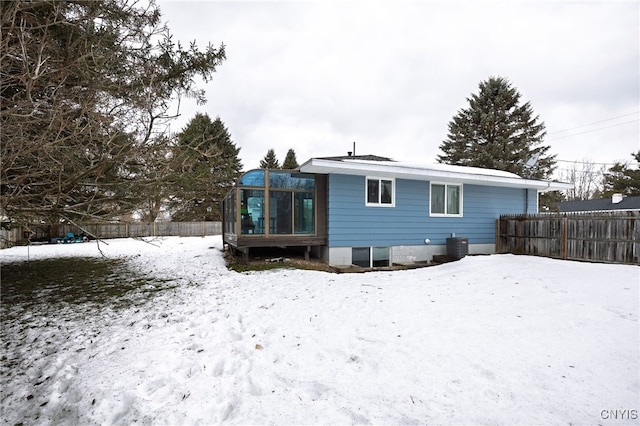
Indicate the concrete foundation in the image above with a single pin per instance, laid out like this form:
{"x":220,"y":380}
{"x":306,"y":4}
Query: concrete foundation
{"x":341,"y":256}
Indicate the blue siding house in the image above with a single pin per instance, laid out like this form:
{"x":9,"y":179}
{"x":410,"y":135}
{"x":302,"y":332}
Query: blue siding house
{"x":385,"y":212}
{"x":372,"y":211}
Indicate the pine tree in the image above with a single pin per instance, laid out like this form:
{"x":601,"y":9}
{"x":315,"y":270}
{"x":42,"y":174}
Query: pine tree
{"x":290,"y":161}
{"x":270,"y":161}
{"x":206,"y":165}
{"x":497,"y":132}
{"x":85,"y":90}
{"x":622,"y":179}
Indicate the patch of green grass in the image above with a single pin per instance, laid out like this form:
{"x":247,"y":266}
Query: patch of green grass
{"x":43,"y":299}
{"x":71,"y":280}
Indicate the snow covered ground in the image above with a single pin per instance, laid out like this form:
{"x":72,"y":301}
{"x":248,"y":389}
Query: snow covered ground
{"x":487,"y":340}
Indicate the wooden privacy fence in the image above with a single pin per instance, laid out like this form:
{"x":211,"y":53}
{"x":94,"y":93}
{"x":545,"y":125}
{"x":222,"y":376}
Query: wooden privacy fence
{"x":151,"y":229}
{"x":612,"y":237}
{"x":111,"y":230}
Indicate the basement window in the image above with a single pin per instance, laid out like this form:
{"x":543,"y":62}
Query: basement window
{"x":370,"y":257}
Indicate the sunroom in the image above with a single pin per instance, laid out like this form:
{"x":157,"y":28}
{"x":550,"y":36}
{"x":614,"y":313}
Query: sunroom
{"x":276,"y":208}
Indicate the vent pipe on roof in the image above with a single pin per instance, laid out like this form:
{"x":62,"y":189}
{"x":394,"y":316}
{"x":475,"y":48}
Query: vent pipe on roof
{"x":352,"y":153}
{"x":616,"y":198}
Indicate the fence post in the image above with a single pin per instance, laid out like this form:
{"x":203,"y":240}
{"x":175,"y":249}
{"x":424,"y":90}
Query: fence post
{"x":564,"y":240}
{"x":203,"y":228}
{"x":498,"y":236}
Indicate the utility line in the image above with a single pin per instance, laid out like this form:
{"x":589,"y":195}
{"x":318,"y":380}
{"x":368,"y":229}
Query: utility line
{"x":593,"y":130}
{"x":590,"y":162}
{"x":595,"y":122}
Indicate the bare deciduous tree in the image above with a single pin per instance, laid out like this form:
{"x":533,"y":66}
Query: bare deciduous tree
{"x":587,"y":179}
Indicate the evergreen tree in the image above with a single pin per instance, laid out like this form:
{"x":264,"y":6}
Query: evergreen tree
{"x":622,"y":179}
{"x":153,"y":177}
{"x":270,"y":161}
{"x":497,"y":132}
{"x":290,"y":161}
{"x":85,"y":90}
{"x":206,"y":165}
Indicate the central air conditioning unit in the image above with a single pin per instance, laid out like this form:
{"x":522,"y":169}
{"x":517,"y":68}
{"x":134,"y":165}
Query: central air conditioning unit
{"x":457,"y":248}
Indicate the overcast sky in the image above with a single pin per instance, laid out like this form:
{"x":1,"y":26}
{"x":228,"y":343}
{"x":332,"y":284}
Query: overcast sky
{"x":317,"y":76}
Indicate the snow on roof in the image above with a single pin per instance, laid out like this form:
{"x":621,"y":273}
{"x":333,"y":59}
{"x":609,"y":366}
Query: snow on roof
{"x":431,"y":172}
{"x":443,"y":168}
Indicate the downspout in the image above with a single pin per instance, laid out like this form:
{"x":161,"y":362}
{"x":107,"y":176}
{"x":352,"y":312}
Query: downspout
{"x":526,"y":201}
{"x":224,"y":204}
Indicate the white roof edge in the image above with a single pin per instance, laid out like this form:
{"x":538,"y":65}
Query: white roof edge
{"x":455,"y":174}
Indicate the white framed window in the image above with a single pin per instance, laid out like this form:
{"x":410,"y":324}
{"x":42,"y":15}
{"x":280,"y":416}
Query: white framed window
{"x":370,"y":257}
{"x":446,"y":199}
{"x":380,"y":192}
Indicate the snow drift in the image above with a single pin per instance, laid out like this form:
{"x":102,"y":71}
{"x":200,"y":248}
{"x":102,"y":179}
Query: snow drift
{"x":486,"y":340}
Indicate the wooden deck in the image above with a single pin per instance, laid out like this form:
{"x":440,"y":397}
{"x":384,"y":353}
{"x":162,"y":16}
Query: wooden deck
{"x":243,"y":243}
